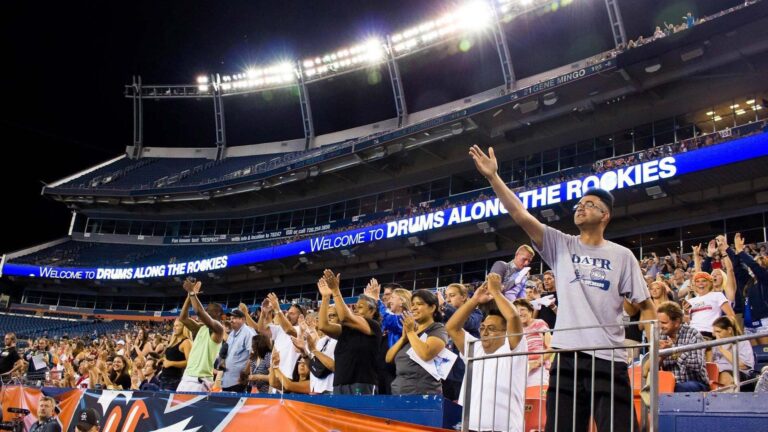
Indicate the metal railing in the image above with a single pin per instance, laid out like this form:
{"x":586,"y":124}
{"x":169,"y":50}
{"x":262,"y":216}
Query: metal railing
{"x":531,"y":408}
{"x":734,"y":341}
{"x":516,"y":404}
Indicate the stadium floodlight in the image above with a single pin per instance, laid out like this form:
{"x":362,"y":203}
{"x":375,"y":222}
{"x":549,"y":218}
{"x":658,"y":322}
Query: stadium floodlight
{"x":717,"y":118}
{"x":277,"y":74}
{"x":475,"y":16}
{"x":751,"y":102}
{"x":202,"y":79}
{"x":370,"y":51}
{"x":710,"y":113}
{"x":757,"y":107}
{"x":740,"y":112}
{"x":472,"y":16}
{"x":202,"y":88}
{"x":734,"y":106}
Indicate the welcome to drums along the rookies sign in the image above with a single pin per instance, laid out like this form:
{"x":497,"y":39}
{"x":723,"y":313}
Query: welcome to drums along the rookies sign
{"x":621,"y":178}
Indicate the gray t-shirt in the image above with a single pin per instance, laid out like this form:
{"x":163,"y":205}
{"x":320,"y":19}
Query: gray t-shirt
{"x":592,"y":282}
{"x":412,"y":378}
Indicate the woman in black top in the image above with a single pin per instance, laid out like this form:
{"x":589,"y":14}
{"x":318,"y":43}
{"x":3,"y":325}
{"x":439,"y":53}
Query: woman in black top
{"x":139,"y":344}
{"x":358,"y":335}
{"x":423,"y":319}
{"x":119,"y":373}
{"x":176,"y":356}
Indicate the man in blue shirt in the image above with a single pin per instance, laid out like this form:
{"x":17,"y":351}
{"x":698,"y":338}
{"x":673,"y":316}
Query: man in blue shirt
{"x":238,"y":353}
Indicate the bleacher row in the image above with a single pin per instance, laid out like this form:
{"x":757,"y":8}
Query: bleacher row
{"x":157,"y":173}
{"x":30,"y":327}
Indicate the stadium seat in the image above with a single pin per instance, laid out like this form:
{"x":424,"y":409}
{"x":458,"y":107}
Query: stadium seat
{"x":761,"y":356}
{"x":713,"y":374}
{"x":535,"y":408}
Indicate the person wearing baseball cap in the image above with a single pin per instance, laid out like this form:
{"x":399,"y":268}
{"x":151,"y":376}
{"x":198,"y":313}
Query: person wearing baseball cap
{"x":88,"y":420}
{"x":238,"y":352}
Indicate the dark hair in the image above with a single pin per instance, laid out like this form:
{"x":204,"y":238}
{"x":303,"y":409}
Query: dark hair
{"x":373,"y":304}
{"x":144,"y":337}
{"x":155,"y":365}
{"x":497,"y":313}
{"x":296,"y":376}
{"x":430,"y":299}
{"x":604,"y":196}
{"x":726,"y":322}
{"x":260,"y":346}
{"x":391,"y":285}
{"x":217,"y":307}
{"x":114,"y":376}
{"x":299,"y":308}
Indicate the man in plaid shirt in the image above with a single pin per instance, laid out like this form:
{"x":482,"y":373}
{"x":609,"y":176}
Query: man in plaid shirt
{"x":688,"y":366}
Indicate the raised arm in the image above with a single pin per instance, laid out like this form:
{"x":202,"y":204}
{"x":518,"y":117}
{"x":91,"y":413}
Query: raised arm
{"x":742,"y":275}
{"x":262,"y":326}
{"x":455,"y":325}
{"x":390,"y":322}
{"x":281,"y":318}
{"x":507,"y":309}
{"x":696,"y":257}
{"x":346,"y":317}
{"x":331,"y":329}
{"x":248,"y":318}
{"x":217,"y":330}
{"x":730,"y":280}
{"x":312,"y":347}
{"x":184,"y":316}
{"x":488,"y":167}
{"x":760,"y":273}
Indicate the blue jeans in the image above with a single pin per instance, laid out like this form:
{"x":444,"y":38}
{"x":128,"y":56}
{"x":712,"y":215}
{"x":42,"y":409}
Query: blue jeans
{"x":690,"y":386}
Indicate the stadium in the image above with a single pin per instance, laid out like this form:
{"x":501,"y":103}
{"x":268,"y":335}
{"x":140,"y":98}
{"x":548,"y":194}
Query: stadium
{"x":255,"y":181}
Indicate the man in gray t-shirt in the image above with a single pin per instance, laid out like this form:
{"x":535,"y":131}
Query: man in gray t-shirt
{"x":598,"y":280}
{"x":594,"y":277}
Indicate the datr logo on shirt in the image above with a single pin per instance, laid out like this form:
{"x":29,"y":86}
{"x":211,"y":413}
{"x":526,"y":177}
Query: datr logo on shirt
{"x":591,"y":271}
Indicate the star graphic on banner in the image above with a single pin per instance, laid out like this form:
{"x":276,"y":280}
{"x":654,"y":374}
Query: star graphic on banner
{"x":107,"y":396}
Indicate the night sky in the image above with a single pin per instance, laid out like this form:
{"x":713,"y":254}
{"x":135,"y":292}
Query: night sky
{"x":65,"y":65}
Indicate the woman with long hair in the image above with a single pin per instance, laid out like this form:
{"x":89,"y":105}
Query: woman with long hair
{"x":725,"y":327}
{"x":658,"y":290}
{"x":424,"y":319}
{"x":140,"y":344}
{"x":176,"y":355}
{"x":119,"y":375}
{"x":299,"y":383}
{"x":261,"y":358}
{"x":156,"y":345}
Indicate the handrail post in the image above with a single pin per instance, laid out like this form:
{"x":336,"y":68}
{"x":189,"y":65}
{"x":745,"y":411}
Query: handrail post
{"x":653,"y":420}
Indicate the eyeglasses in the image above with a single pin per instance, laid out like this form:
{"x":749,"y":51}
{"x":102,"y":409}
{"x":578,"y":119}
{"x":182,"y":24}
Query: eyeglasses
{"x":587,"y":206}
{"x":490,"y":329}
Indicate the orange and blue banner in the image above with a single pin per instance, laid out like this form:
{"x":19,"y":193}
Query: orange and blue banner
{"x":124,"y":411}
